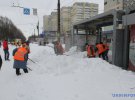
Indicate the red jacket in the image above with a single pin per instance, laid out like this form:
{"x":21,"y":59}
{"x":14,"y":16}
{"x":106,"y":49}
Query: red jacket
{"x":5,"y":45}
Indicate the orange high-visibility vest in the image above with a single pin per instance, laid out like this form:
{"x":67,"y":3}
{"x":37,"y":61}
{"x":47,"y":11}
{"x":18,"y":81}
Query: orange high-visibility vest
{"x":100,"y":47}
{"x":19,"y":55}
{"x":90,"y":51}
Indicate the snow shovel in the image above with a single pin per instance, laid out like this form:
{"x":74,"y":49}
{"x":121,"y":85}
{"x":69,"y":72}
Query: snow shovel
{"x":34,"y":62}
{"x":29,"y":69}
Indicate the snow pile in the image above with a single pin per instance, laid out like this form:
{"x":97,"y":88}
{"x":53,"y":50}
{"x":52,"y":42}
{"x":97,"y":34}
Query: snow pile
{"x":72,"y":50}
{"x":65,"y":78}
{"x":75,"y":53}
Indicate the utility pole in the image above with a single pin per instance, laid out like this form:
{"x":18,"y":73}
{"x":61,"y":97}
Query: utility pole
{"x":58,"y":30}
{"x":38,"y":27}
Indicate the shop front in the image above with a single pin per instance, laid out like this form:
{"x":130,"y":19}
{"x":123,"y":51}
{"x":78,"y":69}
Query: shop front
{"x":132,"y":48}
{"x":130,"y":23}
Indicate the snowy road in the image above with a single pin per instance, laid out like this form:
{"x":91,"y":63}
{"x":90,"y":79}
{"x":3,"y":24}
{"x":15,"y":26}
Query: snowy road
{"x":65,"y":78}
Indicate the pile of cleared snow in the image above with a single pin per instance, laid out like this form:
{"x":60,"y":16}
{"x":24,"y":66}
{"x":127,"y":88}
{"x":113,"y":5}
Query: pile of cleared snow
{"x":72,"y":50}
{"x":75,"y":53}
{"x":65,"y":78}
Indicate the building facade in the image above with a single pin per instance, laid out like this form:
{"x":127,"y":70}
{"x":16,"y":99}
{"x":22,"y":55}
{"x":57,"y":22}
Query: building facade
{"x":50,"y":22}
{"x":83,"y":10}
{"x":46,"y":22}
{"x":65,"y":19}
{"x":53,"y":22}
{"x":70,"y":15}
{"x":113,"y":4}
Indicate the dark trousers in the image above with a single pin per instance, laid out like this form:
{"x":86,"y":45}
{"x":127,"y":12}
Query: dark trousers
{"x":18,"y":71}
{"x":0,"y":62}
{"x":103,"y":55}
{"x":106,"y":55}
{"x":6,"y":52}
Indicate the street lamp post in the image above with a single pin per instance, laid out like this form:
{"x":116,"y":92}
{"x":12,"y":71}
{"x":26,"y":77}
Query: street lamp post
{"x":58,"y":30}
{"x":38,"y":27}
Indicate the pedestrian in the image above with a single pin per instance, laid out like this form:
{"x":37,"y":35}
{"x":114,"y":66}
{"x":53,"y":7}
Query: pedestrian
{"x":5,"y":48}
{"x":20,"y":58}
{"x":90,"y":51}
{"x":0,"y":62}
{"x":100,"y":49}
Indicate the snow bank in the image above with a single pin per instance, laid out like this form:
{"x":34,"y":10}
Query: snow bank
{"x":64,"y":77}
{"x":75,"y":53}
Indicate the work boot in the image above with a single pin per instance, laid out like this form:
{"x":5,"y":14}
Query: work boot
{"x":25,"y":70}
{"x":18,"y":72}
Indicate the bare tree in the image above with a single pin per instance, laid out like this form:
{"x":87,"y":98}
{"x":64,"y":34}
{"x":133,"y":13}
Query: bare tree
{"x":8,"y":30}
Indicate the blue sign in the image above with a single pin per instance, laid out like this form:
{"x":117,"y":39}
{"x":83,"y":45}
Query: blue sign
{"x":26,"y":11}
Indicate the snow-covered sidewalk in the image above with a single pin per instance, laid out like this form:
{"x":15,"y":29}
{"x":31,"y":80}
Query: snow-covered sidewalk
{"x":64,"y":77}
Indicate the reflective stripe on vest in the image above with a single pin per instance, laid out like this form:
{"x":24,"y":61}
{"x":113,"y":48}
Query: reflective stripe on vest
{"x":19,"y":55}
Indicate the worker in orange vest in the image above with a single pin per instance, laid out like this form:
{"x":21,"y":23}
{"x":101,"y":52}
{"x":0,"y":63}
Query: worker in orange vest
{"x":20,"y":58}
{"x":90,"y":51}
{"x":101,"y":50}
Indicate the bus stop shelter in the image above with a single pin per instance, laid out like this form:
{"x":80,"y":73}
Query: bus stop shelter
{"x":94,"y":26}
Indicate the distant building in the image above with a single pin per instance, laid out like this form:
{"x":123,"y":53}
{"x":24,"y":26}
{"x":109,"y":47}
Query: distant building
{"x":46,"y":22}
{"x":53,"y":22}
{"x":70,"y":15}
{"x":65,"y":19}
{"x":83,"y":10}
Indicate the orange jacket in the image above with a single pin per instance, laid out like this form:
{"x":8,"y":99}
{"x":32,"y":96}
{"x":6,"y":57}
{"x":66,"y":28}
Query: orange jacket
{"x":100,"y":48}
{"x":90,"y":51}
{"x":19,"y":55}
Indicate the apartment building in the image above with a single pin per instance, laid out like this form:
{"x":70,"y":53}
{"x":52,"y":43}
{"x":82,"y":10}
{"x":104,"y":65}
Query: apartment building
{"x":83,"y":10}
{"x":113,"y":4}
{"x":46,"y":22}
{"x":65,"y":19}
{"x":53,"y":21}
{"x":70,"y":15}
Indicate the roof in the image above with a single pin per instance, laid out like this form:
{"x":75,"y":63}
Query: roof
{"x":100,"y":20}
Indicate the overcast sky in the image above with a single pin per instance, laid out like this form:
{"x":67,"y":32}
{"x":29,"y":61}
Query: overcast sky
{"x":27,"y":23}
